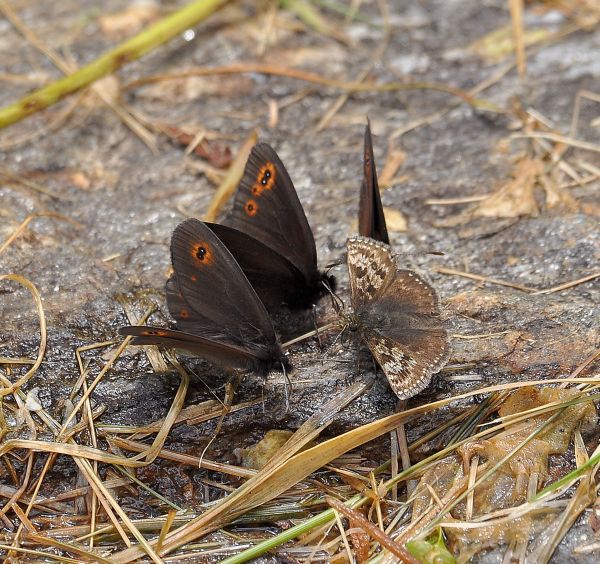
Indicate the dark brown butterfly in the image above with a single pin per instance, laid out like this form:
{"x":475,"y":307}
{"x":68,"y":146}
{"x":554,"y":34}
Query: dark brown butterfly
{"x":268,"y":234}
{"x":371,"y":221}
{"x":396,"y":313}
{"x":219,"y":316}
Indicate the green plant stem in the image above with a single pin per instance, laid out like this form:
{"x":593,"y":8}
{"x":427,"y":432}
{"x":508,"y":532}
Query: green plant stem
{"x":130,"y":50}
{"x":308,"y":525}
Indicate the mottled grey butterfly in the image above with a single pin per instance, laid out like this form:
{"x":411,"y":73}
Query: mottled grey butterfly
{"x":396,"y":313}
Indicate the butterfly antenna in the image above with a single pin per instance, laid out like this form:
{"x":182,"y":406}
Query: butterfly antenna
{"x":336,"y":302}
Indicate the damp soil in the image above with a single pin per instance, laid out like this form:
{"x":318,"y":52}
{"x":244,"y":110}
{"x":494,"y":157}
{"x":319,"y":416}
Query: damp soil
{"x":122,"y":202}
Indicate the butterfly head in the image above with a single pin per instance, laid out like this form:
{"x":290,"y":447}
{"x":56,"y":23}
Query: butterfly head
{"x":275,"y":361}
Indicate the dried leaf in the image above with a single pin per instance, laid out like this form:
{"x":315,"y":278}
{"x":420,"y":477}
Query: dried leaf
{"x":516,"y":197}
{"x":217,"y":154}
{"x":395,"y":220}
{"x":394,"y":160}
{"x":259,"y":454}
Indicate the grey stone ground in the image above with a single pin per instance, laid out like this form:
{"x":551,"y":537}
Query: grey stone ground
{"x":135,"y":199}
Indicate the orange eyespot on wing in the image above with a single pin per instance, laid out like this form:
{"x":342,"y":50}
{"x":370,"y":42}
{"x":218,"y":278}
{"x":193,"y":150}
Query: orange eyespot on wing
{"x":153,"y":333}
{"x":251,"y":208}
{"x":265,"y":179}
{"x":184,"y":313}
{"x":202,"y":253}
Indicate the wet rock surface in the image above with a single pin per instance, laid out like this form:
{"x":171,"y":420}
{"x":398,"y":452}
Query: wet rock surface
{"x":104,"y":232}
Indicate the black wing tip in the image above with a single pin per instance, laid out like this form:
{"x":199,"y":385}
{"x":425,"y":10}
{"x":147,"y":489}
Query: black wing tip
{"x":128,"y":330}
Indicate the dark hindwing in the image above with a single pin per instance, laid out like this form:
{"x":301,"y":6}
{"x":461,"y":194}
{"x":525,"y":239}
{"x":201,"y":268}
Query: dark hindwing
{"x":408,"y":361}
{"x":223,"y":354}
{"x":371,"y":220}
{"x":274,"y":278}
{"x":222,"y":303}
{"x":266,"y":207}
{"x":219,"y":316}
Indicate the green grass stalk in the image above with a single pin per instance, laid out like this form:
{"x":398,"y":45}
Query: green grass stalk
{"x":132,"y":49}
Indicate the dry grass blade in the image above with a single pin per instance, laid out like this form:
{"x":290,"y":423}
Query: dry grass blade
{"x":67,"y":68}
{"x":10,"y":389}
{"x":486,"y":279}
{"x":41,"y":556}
{"x":532,"y":291}
{"x":192,"y":415}
{"x":152,"y":452}
{"x":516,"y":14}
{"x":232,"y":179}
{"x":98,"y":378}
{"x":316,"y":78}
{"x":131,"y":49}
{"x":556,"y":138}
{"x":76,"y":451}
{"x":27,"y":183}
{"x":109,"y":503}
{"x":584,"y":496}
{"x":70,"y":547}
{"x":384,"y":426}
{"x":284,"y":470}
{"x":181,"y":458}
{"x":567,"y":285}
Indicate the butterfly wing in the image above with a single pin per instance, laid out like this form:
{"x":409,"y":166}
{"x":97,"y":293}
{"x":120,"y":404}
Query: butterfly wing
{"x":371,"y":220}
{"x":370,"y":267}
{"x":274,"y":278}
{"x":409,"y":360}
{"x":223,"y":354}
{"x":218,"y":314}
{"x":267,"y":207}
{"x":398,"y":317}
{"x":221,"y":303}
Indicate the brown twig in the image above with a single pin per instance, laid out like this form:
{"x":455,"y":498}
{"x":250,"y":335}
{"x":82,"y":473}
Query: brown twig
{"x":369,"y":528}
{"x":308,"y":76}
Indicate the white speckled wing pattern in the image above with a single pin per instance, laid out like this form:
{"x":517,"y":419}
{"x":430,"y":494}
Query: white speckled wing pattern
{"x":408,"y":368}
{"x":408,"y":355}
{"x":369,"y":265}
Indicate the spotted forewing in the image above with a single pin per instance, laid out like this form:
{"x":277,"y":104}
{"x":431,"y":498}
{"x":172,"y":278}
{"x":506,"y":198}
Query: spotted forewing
{"x":218,"y":314}
{"x":268,"y":234}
